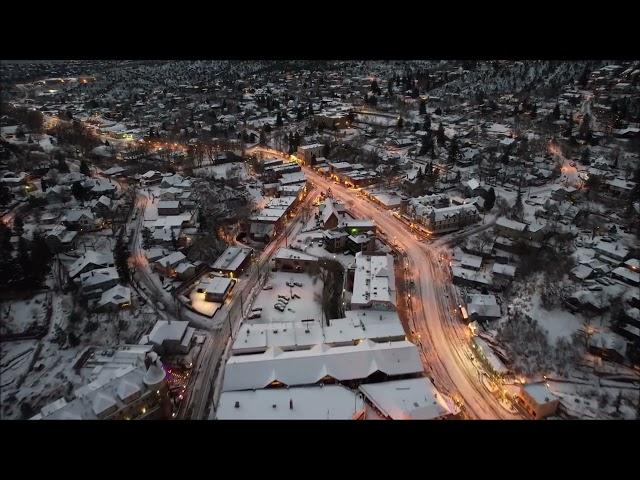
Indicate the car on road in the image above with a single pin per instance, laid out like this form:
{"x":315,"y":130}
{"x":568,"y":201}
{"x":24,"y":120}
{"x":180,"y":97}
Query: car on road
{"x":254,"y":315}
{"x":297,"y":284}
{"x":267,"y":287}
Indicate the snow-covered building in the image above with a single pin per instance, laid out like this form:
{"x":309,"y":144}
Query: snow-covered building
{"x":409,"y":399}
{"x":321,"y":363}
{"x":233,"y":261}
{"x":170,"y":337}
{"x":125,"y":393}
{"x":328,"y":402}
{"x":538,"y":400}
{"x":374,"y":283}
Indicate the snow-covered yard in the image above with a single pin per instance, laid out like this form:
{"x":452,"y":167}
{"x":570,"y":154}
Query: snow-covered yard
{"x":306,"y":307}
{"x":17,"y":316}
{"x":225,"y":170}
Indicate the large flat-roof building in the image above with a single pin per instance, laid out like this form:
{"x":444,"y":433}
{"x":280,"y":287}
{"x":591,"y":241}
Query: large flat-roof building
{"x":374,"y":284}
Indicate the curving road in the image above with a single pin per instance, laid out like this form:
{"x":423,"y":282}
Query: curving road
{"x":444,"y":340}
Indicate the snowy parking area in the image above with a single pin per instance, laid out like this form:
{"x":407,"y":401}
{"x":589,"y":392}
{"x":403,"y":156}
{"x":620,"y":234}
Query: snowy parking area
{"x":306,"y":307}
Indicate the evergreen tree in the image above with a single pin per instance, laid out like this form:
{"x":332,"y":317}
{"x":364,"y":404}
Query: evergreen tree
{"x":310,"y":109}
{"x":263,"y":137}
{"x":174,"y":240}
{"x":84,"y":168}
{"x":61,"y":164}
{"x":279,"y":120}
{"x":585,"y":130}
{"x":423,"y":107}
{"x":390,"y":87}
{"x":5,"y":195}
{"x":18,"y":225}
{"x":556,"y":112}
{"x":440,"y":135}
{"x":453,"y":150}
{"x":78,"y":191}
{"x":121,"y":257}
{"x":427,"y":123}
{"x":40,"y":260}
{"x":400,"y":123}
{"x":489,"y":199}
{"x":326,"y":149}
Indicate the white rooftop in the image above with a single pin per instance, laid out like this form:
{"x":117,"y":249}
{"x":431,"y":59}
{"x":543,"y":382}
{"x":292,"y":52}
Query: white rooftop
{"x":306,"y":367}
{"x":410,"y":399}
{"x":329,"y":402}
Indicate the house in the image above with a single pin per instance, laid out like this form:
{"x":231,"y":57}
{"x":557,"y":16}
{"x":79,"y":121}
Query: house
{"x":166,"y":265}
{"x":218,"y":288}
{"x":170,"y":337}
{"x":506,"y":272}
{"x":115,"y":298}
{"x":81,"y":219}
{"x":364,"y":242}
{"x":168,"y":207}
{"x":331,"y":213}
{"x":233,"y":261}
{"x":510,"y":228}
{"x":90,"y":260}
{"x":608,"y":345}
{"x":538,"y":400}
{"x":59,"y":239}
{"x":334,"y":240}
{"x":95,"y":282}
{"x":150,"y":178}
{"x":482,"y":307}
{"x":102,"y":206}
{"x":185,"y":270}
{"x":626,"y":275}
{"x":289,"y":260}
{"x":611,"y":250}
{"x":448,"y":219}
{"x":307,"y":152}
{"x":373,"y":282}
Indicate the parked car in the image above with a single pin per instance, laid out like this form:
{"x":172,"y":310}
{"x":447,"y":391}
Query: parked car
{"x":267,"y":287}
{"x":254,"y":315}
{"x":290,"y":284}
{"x":297,"y":284}
{"x":279,"y":307}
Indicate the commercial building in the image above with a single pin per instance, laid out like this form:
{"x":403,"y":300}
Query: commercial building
{"x":538,"y":400}
{"x":374,"y":283}
{"x":233,"y":261}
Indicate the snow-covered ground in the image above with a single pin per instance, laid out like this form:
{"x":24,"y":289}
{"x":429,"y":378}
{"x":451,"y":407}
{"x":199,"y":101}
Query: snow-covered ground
{"x":17,"y":316}
{"x":305,"y":307}
{"x":598,"y":399}
{"x":225,"y":170}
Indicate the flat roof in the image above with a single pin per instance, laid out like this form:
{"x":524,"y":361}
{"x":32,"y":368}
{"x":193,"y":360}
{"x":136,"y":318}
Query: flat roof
{"x":410,"y":399}
{"x":329,"y":402}
{"x":231,"y":258}
{"x":374,"y":280}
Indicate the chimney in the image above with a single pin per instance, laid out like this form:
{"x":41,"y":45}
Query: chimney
{"x":237,"y":404}
{"x":290,"y":404}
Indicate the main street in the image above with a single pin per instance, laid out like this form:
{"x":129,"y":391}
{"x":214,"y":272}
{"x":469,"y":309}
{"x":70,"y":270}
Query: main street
{"x":444,"y":340}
